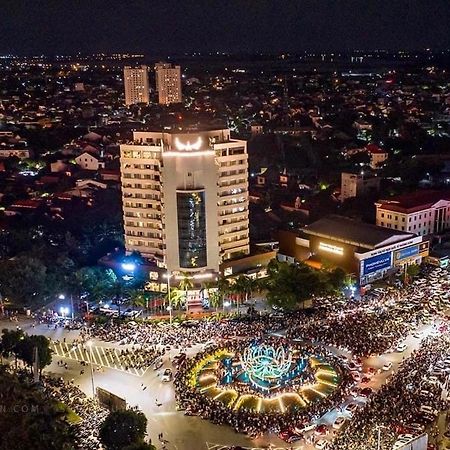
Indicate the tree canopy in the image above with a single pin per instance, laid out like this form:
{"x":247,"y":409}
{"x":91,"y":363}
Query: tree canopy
{"x":289,"y":285}
{"x":122,"y":429}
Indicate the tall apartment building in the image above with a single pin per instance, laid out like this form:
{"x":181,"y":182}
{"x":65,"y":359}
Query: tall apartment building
{"x":422,"y":212}
{"x":185,"y":198}
{"x":355,"y":185}
{"x":135,"y":80}
{"x":168,"y":83}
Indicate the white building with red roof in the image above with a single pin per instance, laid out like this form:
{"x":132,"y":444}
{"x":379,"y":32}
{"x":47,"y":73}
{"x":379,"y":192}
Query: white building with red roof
{"x":421,"y":212}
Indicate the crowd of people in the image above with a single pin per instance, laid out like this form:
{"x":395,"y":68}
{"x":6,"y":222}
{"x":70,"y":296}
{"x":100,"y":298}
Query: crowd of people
{"x":92,"y":414}
{"x":397,"y":405}
{"x":248,"y":420}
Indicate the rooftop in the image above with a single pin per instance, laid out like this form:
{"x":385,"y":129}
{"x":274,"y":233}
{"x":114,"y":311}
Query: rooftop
{"x":350,"y":231}
{"x":415,"y":201}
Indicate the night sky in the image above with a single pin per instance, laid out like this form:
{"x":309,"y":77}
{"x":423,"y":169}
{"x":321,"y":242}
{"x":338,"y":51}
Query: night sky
{"x":157,"y":27}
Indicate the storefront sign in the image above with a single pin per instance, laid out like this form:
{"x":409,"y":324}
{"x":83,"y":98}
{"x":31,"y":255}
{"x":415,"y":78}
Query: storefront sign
{"x":331,"y":248}
{"x":379,"y":262}
{"x":407,"y":252}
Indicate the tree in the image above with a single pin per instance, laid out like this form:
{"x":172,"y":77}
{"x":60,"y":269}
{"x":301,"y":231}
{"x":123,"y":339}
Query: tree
{"x":223,"y":288}
{"x":10,"y":341}
{"x":34,"y":421}
{"x":289,"y":285}
{"x":186,"y":284}
{"x":23,"y":280}
{"x":123,"y":428}
{"x":413,"y":270}
{"x":25,"y":351}
{"x":176,"y":298}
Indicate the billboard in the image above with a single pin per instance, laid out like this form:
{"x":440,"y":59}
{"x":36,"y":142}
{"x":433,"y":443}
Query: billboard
{"x":407,"y":252}
{"x":375,"y":263}
{"x":110,"y":401}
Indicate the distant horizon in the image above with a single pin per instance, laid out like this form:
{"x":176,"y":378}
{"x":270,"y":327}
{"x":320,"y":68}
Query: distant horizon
{"x":136,"y":54}
{"x":167,"y":27}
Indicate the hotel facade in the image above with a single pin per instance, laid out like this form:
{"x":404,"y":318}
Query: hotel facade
{"x":185,"y":198}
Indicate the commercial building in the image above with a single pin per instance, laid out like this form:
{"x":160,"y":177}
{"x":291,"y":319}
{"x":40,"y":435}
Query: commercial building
{"x":185,"y":198}
{"x":136,"y":85}
{"x":368,"y":251}
{"x":168,"y":83}
{"x":357,"y":184}
{"x":422,"y":212}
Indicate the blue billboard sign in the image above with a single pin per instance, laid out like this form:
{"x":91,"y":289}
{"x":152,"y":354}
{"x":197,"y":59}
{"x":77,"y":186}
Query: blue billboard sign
{"x":378,"y":262}
{"x":407,"y":252}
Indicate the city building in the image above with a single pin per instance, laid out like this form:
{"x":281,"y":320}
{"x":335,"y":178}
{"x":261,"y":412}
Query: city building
{"x":377,"y":156}
{"x":185,"y":198}
{"x":357,"y":184}
{"x":168,"y":83}
{"x":136,"y":85}
{"x":368,"y":251}
{"x":422,"y":212}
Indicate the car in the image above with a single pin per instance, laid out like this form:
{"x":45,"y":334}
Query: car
{"x":351,"y":408}
{"x":401,"y":347}
{"x":290,"y":435}
{"x":355,"y":375}
{"x":339,"y":422}
{"x":321,"y":444}
{"x":166,"y":376}
{"x":365,"y":392}
{"x":428,"y":410}
{"x":321,"y":430}
{"x":387,"y":366}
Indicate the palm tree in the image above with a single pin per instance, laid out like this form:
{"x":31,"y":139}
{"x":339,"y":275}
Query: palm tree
{"x":214,"y":299}
{"x":176,"y":298}
{"x":137,"y":298}
{"x":223,"y":288}
{"x":185,"y":285}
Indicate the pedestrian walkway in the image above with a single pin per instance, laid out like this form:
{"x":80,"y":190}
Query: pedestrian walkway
{"x":110,"y":358}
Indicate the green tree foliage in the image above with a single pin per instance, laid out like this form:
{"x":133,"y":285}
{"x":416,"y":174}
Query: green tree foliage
{"x":30,"y":421}
{"x":413,"y":270}
{"x":25,"y":351}
{"x":23,"y":280}
{"x":123,"y":428}
{"x":289,"y":285}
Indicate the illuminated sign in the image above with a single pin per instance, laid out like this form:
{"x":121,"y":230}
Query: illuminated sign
{"x":407,"y":252}
{"x":188,"y":146}
{"x":331,"y":248}
{"x":375,"y":263}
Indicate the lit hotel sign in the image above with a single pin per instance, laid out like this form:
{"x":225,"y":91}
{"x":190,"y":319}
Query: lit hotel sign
{"x":331,"y":248}
{"x":188,"y":146}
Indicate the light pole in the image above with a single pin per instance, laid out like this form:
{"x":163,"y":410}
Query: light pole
{"x":169,"y":308}
{"x":89,"y":344}
{"x":62,"y":297}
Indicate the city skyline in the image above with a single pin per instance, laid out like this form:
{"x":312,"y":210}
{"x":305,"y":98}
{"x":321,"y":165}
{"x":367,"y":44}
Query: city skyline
{"x":167,"y":27}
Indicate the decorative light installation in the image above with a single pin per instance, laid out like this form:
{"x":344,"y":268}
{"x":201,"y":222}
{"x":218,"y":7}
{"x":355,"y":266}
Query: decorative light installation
{"x":266,"y":363}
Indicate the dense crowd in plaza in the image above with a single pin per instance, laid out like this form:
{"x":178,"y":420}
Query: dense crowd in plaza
{"x":250,"y":421}
{"x":91,"y":413}
{"x":367,"y":326}
{"x":397,"y":405}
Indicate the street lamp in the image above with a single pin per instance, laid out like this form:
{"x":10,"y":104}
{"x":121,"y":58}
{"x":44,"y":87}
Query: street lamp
{"x":62,"y":297}
{"x":168,"y":276}
{"x":169,"y":308}
{"x":89,"y":344}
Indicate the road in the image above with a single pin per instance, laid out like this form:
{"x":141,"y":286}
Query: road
{"x":182,"y":432}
